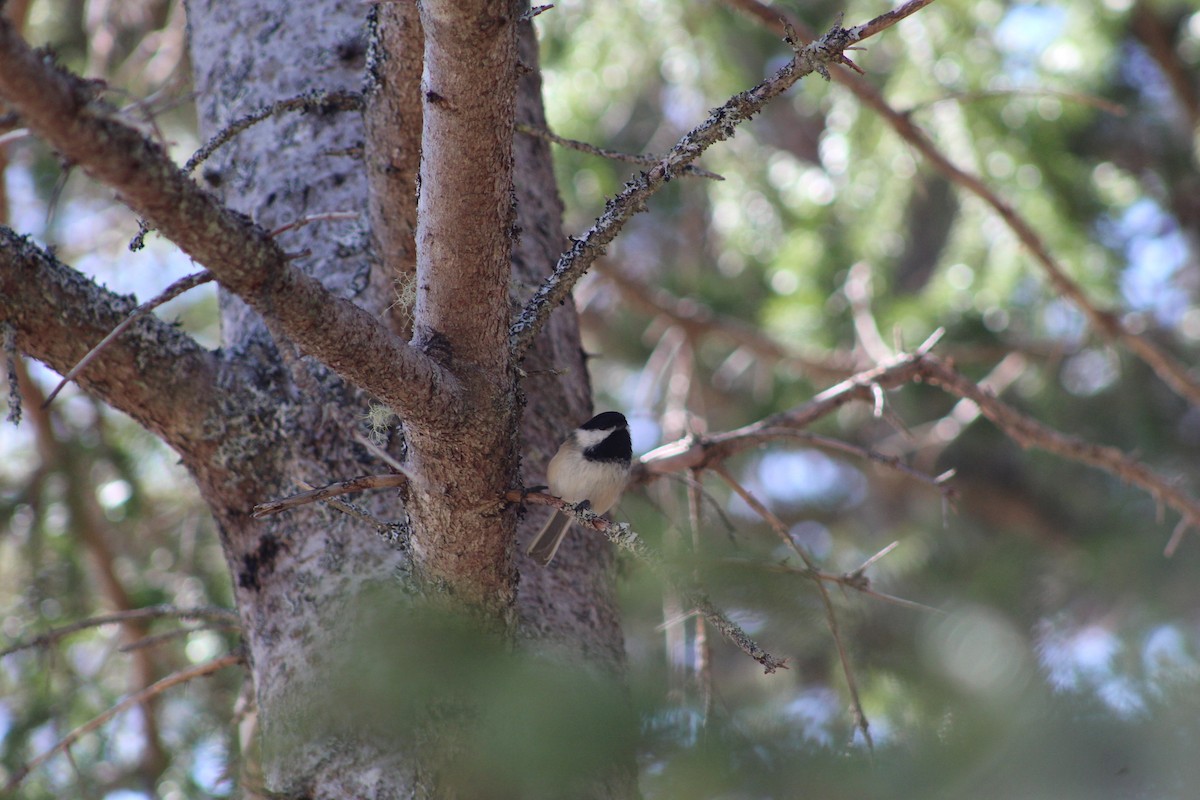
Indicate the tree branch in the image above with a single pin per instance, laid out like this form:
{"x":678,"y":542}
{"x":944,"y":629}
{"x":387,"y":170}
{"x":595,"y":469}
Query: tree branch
{"x":776,"y":524}
{"x":392,"y":117}
{"x":1028,"y":432}
{"x":360,"y":484}
{"x":622,"y":536}
{"x":155,"y":373}
{"x":720,"y":125}
{"x":170,"y":293}
{"x":613,"y":155}
{"x":887,"y":20}
{"x":207,"y":668}
{"x":215,"y":615}
{"x":466,"y":207}
{"x":920,"y":366}
{"x":1104,"y":322}
{"x":316,"y":101}
{"x":701,"y":453}
{"x":1148,"y":26}
{"x":697,"y":319}
{"x":61,"y":109}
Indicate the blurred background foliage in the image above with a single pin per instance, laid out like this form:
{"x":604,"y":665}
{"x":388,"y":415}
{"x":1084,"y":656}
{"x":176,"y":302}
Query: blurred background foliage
{"x":1063,"y":659}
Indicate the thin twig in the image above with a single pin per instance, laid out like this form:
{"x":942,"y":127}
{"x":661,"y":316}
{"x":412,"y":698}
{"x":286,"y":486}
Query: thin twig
{"x":315,"y":100}
{"x":860,"y":717}
{"x":162,"y":638}
{"x":359,"y":484}
{"x":1106,"y":323}
{"x":311,"y":218}
{"x":309,"y":101}
{"x":1154,"y":27}
{"x":690,"y":483}
{"x":885,"y":21}
{"x":624,"y":537}
{"x":137,"y":698}
{"x":394,"y":533}
{"x":381,"y":454}
{"x":702,"y":651}
{"x":170,"y":293}
{"x":1091,"y":100}
{"x":938,"y":482}
{"x":1028,"y":432}
{"x":862,"y":568}
{"x":921,"y":366}
{"x":850,"y":580}
{"x":857,"y":290}
{"x":696,"y":451}
{"x":221,"y":616}
{"x":697,"y":319}
{"x":535,"y":11}
{"x":612,"y":155}
{"x":721,"y":124}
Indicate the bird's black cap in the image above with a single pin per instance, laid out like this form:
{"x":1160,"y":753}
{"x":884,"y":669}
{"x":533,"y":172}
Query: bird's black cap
{"x":606,"y":421}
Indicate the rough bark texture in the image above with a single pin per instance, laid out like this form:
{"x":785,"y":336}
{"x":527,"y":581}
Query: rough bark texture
{"x":310,"y":564}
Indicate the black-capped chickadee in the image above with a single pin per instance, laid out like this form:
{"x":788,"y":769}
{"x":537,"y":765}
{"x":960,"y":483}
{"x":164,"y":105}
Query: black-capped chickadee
{"x":592,"y":465}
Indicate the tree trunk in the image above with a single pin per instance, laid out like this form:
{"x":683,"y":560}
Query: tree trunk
{"x":292,"y":419}
{"x":315,"y":319}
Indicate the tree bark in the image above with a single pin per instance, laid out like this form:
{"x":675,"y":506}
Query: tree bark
{"x":577,"y":610}
{"x":308,"y":339}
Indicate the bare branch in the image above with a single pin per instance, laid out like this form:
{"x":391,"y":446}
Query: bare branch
{"x":311,"y":218}
{"x":613,"y":155}
{"x":697,"y":319}
{"x":222,"y":616}
{"x":860,"y":717}
{"x":391,"y":152}
{"x":710,"y":451}
{"x":394,"y":533}
{"x":858,"y":291}
{"x":317,"y":101}
{"x":1028,"y":432}
{"x":622,"y":536}
{"x":702,"y":651}
{"x":1106,"y":323}
{"x":938,"y":482}
{"x":885,"y":21}
{"x":360,"y":484}
{"x":382,"y":455}
{"x":852,"y":580}
{"x":155,"y":373}
{"x":170,"y":293}
{"x":535,"y":11}
{"x":62,"y":110}
{"x":137,"y":698}
{"x":1147,"y":24}
{"x":720,"y":125}
{"x":696,"y":452}
{"x":963,"y":98}
{"x":146,"y":642}
{"x":314,"y":101}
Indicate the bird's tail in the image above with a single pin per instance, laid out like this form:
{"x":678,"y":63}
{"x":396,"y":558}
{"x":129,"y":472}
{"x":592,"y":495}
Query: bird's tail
{"x":545,"y":544}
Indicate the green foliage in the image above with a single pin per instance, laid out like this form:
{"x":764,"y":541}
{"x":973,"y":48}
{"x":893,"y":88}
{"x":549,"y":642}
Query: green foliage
{"x":1022,"y":95}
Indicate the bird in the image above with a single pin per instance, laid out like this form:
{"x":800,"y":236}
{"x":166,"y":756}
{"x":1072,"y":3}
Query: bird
{"x":590,"y":469}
